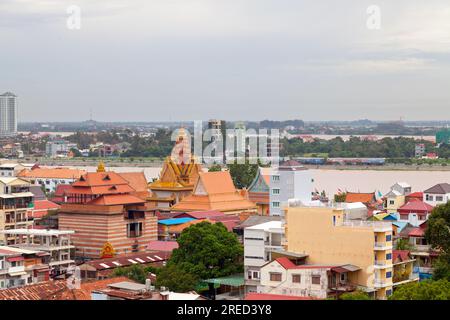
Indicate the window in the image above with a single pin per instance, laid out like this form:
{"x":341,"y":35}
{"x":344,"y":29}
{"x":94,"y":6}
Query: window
{"x":255,"y":275}
{"x":388,"y":237}
{"x":429,"y":197}
{"x":275,"y":191}
{"x":391,"y":202}
{"x":439,"y":198}
{"x":315,"y":279}
{"x":296,"y":278}
{"x":334,"y":220}
{"x":275,"y":204}
{"x":2,"y":264}
{"x":134,"y":229}
{"x":275,"y":178}
{"x":275,"y":276}
{"x":404,"y":217}
{"x":389,"y":256}
{"x":389,"y":274}
{"x":388,"y":292}
{"x":254,"y":257}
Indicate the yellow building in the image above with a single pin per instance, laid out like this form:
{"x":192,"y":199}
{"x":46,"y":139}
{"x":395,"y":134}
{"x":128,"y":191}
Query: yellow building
{"x":393,"y":200}
{"x":328,"y":238}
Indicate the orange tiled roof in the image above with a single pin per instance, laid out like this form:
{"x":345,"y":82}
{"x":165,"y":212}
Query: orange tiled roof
{"x":96,"y":179}
{"x":360,"y":197}
{"x":136,"y":180}
{"x":100,"y":183}
{"x":116,"y":199}
{"x":214,"y":191}
{"x":55,"y":173}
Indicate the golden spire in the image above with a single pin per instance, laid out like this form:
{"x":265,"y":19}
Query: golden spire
{"x":101,"y":167}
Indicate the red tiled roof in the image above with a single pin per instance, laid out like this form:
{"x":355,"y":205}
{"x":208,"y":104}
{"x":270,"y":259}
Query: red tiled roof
{"x":415,"y":207}
{"x":40,"y":291}
{"x":416,"y":232}
{"x":41,"y":208}
{"x":288,"y":264}
{"x":124,"y":260}
{"x":415,"y":195}
{"x":158,"y":245}
{"x":400,"y":255}
{"x":267,"y":296}
{"x":45,"y":205}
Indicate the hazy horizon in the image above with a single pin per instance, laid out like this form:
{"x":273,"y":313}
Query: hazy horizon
{"x":182,"y":60}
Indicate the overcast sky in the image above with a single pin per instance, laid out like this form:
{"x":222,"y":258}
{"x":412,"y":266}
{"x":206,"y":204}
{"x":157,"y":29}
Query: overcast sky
{"x":146,"y":60}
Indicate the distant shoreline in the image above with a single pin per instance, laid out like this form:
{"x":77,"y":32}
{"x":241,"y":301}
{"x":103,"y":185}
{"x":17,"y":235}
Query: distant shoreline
{"x":153,"y":163}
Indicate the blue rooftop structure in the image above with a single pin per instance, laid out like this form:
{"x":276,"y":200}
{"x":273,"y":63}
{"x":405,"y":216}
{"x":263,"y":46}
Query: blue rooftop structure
{"x":400,"y":225}
{"x":171,"y":222}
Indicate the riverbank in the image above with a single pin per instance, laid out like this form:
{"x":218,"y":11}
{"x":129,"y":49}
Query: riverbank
{"x":156,"y":162}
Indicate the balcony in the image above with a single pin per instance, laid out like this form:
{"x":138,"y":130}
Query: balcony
{"x":343,"y":287}
{"x":381,"y":264}
{"x":421,"y":248}
{"x":15,"y":271}
{"x":383,"y":246}
{"x":378,"y":226}
{"x":412,"y":277}
{"x":382,"y":283}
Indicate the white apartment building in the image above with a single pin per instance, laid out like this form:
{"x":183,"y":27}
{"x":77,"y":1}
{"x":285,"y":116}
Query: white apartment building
{"x":8,"y":114}
{"x":438,"y":194}
{"x":19,"y":267}
{"x":259,"y":243}
{"x":55,"y":242}
{"x":290,"y":181}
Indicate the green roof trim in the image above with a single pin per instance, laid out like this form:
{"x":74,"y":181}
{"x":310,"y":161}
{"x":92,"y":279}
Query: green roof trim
{"x":235,"y":280}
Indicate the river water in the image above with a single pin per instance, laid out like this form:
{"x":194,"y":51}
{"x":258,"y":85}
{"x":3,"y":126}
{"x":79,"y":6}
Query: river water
{"x":351,"y":180}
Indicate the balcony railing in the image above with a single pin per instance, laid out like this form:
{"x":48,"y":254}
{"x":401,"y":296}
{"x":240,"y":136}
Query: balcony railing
{"x":16,"y":269}
{"x":381,"y":263}
{"x":377,"y":225}
{"x":421,"y":248}
{"x":380,"y":245}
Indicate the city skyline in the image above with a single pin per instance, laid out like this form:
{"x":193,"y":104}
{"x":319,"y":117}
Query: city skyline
{"x":187,"y":60}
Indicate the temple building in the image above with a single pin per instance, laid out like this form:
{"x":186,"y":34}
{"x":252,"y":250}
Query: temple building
{"x":215,"y":191}
{"x":177,"y":177}
{"x":104,"y":211}
{"x":259,"y":191}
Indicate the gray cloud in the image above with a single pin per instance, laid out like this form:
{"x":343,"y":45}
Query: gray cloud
{"x":232,"y":59}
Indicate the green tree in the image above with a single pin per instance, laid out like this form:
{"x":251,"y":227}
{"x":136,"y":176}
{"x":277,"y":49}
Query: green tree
{"x":214,"y":168}
{"x":205,"y":251}
{"x":403,"y":244}
{"x":176,"y":279}
{"x":134,"y":272}
{"x":438,"y":236}
{"x":424,"y":290}
{"x":357,"y":295}
{"x":243,"y":174}
{"x":340,"y":197}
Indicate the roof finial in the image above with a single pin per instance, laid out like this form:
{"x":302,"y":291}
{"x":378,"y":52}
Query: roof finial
{"x":101,"y":167}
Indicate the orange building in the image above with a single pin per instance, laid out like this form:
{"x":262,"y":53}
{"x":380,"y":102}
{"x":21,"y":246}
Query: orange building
{"x":102,"y":207}
{"x":215,"y":191}
{"x":177,"y":177}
